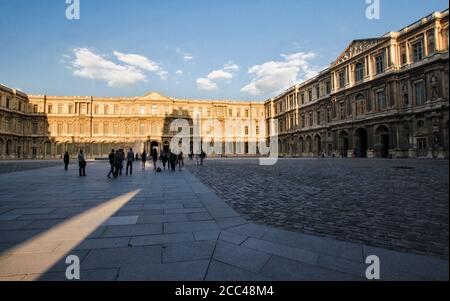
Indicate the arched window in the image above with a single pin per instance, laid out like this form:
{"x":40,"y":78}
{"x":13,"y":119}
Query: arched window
{"x":359,"y":72}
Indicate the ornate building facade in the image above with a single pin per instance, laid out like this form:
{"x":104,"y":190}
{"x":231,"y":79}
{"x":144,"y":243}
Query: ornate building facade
{"x":382,"y":97}
{"x":98,"y":125}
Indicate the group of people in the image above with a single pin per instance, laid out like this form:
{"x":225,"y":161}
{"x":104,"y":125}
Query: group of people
{"x":117,"y":159}
{"x":116,"y":162}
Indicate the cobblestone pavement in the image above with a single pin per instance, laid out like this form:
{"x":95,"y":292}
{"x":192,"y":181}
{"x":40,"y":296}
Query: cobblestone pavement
{"x":395,"y":204}
{"x":23,"y":165}
{"x":165,"y":226}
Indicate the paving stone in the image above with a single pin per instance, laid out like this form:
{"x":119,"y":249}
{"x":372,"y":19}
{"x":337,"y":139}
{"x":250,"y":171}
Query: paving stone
{"x":85,"y":275}
{"x":190,"y":226}
{"x":161,"y":239}
{"x":121,"y":220}
{"x":251,"y":230}
{"x":230,"y":222}
{"x":240,"y":257}
{"x":99,"y":243}
{"x":207,"y":235}
{"x":132,"y":230}
{"x":188,"y":251}
{"x":122,"y":257}
{"x":201,"y":216}
{"x":232,"y":238}
{"x":284,"y":269}
{"x":219,"y":271}
{"x":163,"y":218}
{"x":180,"y":271}
{"x":282,"y":251}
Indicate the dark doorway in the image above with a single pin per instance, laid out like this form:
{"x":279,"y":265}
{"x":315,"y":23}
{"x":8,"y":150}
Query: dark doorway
{"x":344,"y":144}
{"x":384,"y":146}
{"x":361,"y":143}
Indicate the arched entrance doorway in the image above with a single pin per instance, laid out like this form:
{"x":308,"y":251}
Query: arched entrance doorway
{"x":361,"y":143}
{"x":309,"y":145}
{"x":154,"y":145}
{"x":343,"y":144}
{"x":301,"y":146}
{"x":318,"y":145}
{"x":8,"y":148}
{"x":382,"y":147}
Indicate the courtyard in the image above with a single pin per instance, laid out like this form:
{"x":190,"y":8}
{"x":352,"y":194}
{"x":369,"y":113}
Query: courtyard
{"x":229,"y":220}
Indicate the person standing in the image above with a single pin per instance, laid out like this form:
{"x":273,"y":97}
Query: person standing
{"x":82,"y":164}
{"x":122,"y":159}
{"x":117,"y":163}
{"x":144,"y":159}
{"x":66,"y":161}
{"x":130,"y":160}
{"x":111,"y":164}
{"x":164,"y":160}
{"x":155,"y":158}
{"x":180,"y":161}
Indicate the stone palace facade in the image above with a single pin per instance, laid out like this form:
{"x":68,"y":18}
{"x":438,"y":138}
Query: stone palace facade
{"x":382,"y":97}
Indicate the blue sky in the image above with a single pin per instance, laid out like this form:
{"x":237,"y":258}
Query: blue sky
{"x":233,"y":49}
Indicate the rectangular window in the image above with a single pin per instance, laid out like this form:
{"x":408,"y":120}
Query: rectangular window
{"x":257,"y":130}
{"x":35,"y":109}
{"x":59,"y":129}
{"x":50,"y":109}
{"x":96,"y":110}
{"x":105,"y":110}
{"x":70,"y":109}
{"x":341,"y":80}
{"x":7,"y":103}
{"x":142,"y":110}
{"x":417,"y":49}
{"x":328,"y":84}
{"x":310,"y":97}
{"x":247,"y":113}
{"x":34,"y":129}
{"x":142,"y":129}
{"x":379,"y":64}
{"x":116,"y":110}
{"x":420,"y":93}
{"x":403,"y":55}
{"x":381,"y":100}
{"x":105,"y":128}
{"x":95,"y":128}
{"x":246,"y":130}
{"x":230,"y":112}
{"x":318,"y":118}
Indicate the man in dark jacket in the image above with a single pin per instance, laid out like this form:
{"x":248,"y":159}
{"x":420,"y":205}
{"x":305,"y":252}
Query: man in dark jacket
{"x":130,"y":160}
{"x":111,"y":164}
{"x":66,"y":161}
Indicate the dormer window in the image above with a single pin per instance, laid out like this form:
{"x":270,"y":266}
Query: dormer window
{"x":359,"y":72}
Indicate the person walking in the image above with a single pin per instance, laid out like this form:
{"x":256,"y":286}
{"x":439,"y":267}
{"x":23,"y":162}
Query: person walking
{"x":122,"y":159}
{"x":144,"y":159}
{"x":164,"y":160}
{"x":172,"y":161}
{"x":82,"y":164}
{"x":130,"y":161}
{"x":117,"y":163}
{"x":202,"y":157}
{"x":180,"y":161}
{"x":155,"y":158}
{"x":66,"y":161}
{"x":111,"y":164}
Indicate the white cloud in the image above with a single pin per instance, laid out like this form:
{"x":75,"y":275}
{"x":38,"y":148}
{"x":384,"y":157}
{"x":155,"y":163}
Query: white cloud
{"x":275,"y":76}
{"x":88,"y":64}
{"x":206,"y":84}
{"x":188,"y":58}
{"x":179,"y":72}
{"x":219,"y":74}
{"x":141,"y":62}
{"x":210,"y":82}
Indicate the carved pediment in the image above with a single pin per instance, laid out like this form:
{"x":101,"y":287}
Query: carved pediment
{"x":153,"y":97}
{"x":357,"y":47}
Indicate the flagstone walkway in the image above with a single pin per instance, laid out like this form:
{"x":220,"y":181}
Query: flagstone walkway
{"x":166,"y":226}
